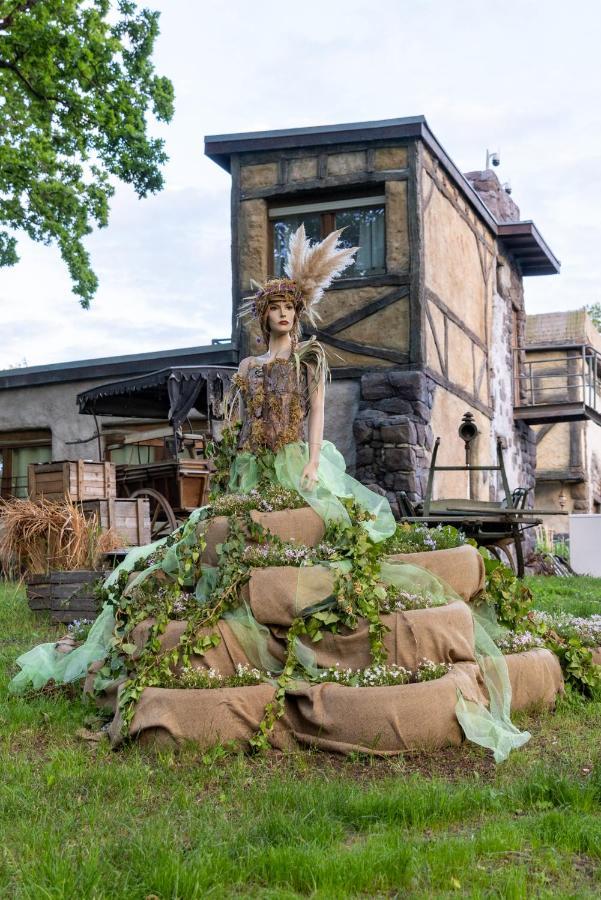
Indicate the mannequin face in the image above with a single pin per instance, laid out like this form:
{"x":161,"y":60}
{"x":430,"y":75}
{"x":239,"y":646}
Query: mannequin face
{"x":280,"y":317}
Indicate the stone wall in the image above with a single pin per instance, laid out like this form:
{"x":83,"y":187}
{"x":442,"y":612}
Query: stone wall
{"x":393,"y":433}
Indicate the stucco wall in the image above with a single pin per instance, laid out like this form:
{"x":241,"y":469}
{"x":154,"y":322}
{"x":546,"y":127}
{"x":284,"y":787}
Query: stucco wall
{"x":52,"y":407}
{"x":447,"y":412}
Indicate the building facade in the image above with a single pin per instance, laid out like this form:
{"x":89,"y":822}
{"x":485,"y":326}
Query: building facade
{"x":561,"y":377}
{"x":423,"y":328}
{"x":40,"y":420}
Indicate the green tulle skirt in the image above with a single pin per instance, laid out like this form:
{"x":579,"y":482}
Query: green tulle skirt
{"x":333,"y":485}
{"x":489,"y":727}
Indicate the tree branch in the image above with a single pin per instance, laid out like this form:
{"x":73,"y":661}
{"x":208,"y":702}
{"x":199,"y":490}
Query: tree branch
{"x":7,"y":21}
{"x":11,"y":67}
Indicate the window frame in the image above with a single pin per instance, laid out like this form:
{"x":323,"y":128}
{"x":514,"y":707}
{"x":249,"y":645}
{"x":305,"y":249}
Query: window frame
{"x":327,"y":210}
{"x":19,"y":440}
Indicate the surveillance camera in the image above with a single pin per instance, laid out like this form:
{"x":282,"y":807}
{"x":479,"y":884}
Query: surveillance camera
{"x":507,"y":187}
{"x":495,"y":159}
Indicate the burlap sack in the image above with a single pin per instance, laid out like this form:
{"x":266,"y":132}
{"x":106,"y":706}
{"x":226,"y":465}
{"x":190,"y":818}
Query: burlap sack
{"x":215,"y":533}
{"x":278,"y":594}
{"x":441,"y":634}
{"x":108,"y":698}
{"x":225,"y":657}
{"x":167,"y":717}
{"x":535,"y":677}
{"x":383,"y":721}
{"x":301,"y":525}
{"x":462,"y":568}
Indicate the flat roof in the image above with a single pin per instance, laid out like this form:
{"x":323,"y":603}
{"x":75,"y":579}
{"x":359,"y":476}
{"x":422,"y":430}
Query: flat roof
{"x":221,"y":147}
{"x":219,"y":353}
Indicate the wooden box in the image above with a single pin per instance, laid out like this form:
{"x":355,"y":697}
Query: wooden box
{"x":76,"y":479}
{"x":67,"y":596}
{"x":130,"y":519}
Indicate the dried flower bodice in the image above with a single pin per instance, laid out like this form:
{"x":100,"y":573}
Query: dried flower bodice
{"x":275,"y":396}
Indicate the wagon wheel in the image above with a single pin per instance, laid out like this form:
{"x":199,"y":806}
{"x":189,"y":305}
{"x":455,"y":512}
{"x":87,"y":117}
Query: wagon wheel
{"x":516,"y":564}
{"x":162,"y":517}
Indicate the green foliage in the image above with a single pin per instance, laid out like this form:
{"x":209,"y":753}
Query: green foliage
{"x":269,"y":498}
{"x":576,"y":661}
{"x":411,"y":537}
{"x":78,"y":85}
{"x":510,"y":597}
{"x":594,"y":311}
{"x":513,"y":601}
{"x":383,"y":675}
{"x":222,"y":453}
{"x":300,"y":823}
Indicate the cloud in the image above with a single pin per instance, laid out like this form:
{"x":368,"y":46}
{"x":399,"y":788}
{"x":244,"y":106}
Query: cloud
{"x":509,"y":77}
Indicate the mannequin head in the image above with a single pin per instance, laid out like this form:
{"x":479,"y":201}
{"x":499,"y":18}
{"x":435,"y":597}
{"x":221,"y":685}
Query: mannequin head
{"x":280,"y":317}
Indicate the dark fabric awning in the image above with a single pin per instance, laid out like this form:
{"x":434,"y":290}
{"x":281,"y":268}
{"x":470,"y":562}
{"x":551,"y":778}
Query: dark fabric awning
{"x":167,"y":394}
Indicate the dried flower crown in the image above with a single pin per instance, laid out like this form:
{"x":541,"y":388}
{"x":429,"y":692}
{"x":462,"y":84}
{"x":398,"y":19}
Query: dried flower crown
{"x":310,"y":269}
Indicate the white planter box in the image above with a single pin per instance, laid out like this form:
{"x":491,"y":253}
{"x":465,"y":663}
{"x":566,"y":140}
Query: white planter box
{"x":585,"y":544}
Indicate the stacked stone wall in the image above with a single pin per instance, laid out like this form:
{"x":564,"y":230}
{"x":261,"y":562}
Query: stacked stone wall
{"x":393,"y":434}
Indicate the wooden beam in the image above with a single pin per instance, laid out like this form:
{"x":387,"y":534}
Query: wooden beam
{"x":347,"y":284}
{"x":417,"y":313}
{"x":326,"y":182}
{"x":458,"y":391}
{"x":575,"y":445}
{"x":395,"y":356}
{"x":435,"y":299}
{"x":235,"y":253}
{"x":540,"y":434}
{"x":441,"y":358}
{"x":357,"y":315}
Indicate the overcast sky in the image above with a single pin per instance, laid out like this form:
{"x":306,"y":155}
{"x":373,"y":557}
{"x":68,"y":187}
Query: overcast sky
{"x":519,"y":76}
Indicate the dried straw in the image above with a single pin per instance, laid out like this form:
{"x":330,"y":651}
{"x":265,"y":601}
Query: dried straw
{"x":48,"y":534}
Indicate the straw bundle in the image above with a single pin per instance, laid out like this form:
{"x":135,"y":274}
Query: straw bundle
{"x":42,"y":535}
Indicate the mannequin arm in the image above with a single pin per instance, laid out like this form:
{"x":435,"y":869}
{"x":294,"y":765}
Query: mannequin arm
{"x":315,"y":421}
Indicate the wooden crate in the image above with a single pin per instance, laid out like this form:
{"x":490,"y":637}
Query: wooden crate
{"x":130,"y":519}
{"x":77,"y":479}
{"x":67,"y":596}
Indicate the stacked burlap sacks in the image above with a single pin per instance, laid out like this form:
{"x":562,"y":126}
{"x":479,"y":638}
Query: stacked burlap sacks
{"x":380,"y":720}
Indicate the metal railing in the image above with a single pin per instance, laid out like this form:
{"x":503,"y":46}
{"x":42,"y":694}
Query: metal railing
{"x":14,"y":487}
{"x":563,"y":377}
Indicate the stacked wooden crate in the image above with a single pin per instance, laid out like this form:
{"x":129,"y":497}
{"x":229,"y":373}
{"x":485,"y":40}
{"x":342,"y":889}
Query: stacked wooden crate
{"x":77,"y":480}
{"x":93,"y":485}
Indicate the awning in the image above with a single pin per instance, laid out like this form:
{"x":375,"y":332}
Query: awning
{"x":529,"y":249}
{"x":167,"y":394}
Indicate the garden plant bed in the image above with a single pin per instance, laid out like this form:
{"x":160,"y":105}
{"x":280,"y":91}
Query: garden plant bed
{"x":297,"y":823}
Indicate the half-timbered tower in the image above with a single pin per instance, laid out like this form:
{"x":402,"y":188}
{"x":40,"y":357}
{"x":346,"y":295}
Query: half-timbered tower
{"x":421,"y":330}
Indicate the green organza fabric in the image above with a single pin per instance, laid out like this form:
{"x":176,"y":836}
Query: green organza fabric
{"x":489,"y":727}
{"x":333,"y":484}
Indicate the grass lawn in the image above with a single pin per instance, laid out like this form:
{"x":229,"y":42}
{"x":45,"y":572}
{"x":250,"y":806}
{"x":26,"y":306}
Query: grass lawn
{"x":80,"y":821}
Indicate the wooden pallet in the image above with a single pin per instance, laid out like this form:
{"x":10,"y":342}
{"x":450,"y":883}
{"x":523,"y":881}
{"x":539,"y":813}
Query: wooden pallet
{"x":67,"y":596}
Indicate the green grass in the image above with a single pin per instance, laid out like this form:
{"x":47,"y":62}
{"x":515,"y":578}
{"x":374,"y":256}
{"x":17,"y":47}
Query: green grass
{"x":80,"y":821}
{"x":580,"y":595}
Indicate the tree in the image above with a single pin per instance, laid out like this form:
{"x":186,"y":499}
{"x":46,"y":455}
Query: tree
{"x":76,"y":86}
{"x":594,"y":311}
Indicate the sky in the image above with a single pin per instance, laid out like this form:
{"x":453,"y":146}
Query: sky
{"x":521,"y":77}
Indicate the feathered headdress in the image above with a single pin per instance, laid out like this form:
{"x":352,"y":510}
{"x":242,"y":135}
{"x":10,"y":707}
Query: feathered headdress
{"x":310,"y":269}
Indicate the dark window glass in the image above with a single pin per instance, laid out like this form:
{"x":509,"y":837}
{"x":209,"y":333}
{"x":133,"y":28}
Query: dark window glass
{"x":364,"y":227}
{"x":286,"y":226}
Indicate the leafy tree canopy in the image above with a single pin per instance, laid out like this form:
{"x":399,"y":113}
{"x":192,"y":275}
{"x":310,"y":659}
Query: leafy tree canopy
{"x":594,"y":311}
{"x":76,"y":85}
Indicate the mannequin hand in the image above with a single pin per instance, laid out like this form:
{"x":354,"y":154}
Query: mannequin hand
{"x":308,"y":478}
